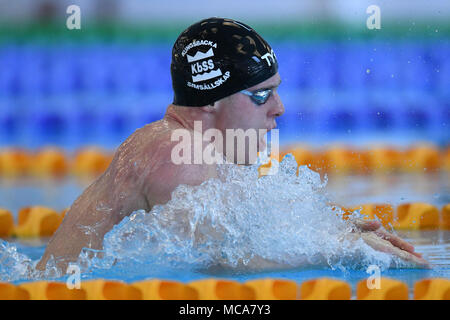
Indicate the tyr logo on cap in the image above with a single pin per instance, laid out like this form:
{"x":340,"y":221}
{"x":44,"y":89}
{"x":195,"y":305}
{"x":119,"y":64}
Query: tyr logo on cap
{"x":271,"y":55}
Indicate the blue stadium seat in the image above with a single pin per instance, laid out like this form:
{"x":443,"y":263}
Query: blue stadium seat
{"x":290,"y":61}
{"x":381,"y":117}
{"x":154,"y":69}
{"x":383,"y":71}
{"x":442,"y":77}
{"x":351,"y":67}
{"x":30,"y":71}
{"x":10,"y":119}
{"x":124,"y":75}
{"x":8,"y":67}
{"x":61,"y":73}
{"x":323,"y":66}
{"x":93,"y":70}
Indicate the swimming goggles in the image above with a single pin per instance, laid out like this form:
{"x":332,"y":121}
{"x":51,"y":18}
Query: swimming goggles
{"x":259,"y":96}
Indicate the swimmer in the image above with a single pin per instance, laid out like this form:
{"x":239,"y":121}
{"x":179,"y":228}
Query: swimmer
{"x":225,"y":75}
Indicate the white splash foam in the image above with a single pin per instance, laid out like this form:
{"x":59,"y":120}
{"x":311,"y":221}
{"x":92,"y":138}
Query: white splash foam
{"x":240,"y":221}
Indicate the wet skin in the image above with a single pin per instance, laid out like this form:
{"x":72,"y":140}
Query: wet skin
{"x":142,"y":174}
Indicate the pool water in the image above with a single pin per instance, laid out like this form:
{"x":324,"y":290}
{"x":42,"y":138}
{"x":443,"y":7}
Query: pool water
{"x":345,"y":190}
{"x":434,"y":245}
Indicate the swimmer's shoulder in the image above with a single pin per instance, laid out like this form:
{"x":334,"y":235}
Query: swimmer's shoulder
{"x":147,"y":147}
{"x":139,"y":149}
{"x":151,"y":133}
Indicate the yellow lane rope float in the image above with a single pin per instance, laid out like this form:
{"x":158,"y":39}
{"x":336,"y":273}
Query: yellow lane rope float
{"x":220,"y":289}
{"x":335,"y":159}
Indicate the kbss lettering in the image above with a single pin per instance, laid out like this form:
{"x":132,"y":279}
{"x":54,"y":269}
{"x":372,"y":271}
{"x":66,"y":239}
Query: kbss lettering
{"x":203,"y":66}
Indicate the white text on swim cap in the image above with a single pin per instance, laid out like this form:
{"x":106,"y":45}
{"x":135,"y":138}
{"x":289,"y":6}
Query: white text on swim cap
{"x":198,"y":43}
{"x":202,"y":68}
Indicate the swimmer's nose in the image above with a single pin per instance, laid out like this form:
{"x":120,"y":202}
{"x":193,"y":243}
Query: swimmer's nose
{"x":277,"y":108}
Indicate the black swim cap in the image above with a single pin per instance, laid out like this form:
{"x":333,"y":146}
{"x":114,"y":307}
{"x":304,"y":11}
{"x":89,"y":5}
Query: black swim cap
{"x":217,"y":57}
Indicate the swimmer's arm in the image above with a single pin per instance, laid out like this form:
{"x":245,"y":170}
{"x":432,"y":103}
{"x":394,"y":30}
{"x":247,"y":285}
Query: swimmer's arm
{"x":103,"y":204}
{"x":378,"y":238}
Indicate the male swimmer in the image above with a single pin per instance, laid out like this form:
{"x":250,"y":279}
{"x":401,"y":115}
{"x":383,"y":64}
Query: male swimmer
{"x":224,"y":75}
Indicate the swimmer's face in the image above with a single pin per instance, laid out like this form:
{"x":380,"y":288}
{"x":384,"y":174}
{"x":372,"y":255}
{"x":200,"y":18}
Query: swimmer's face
{"x":238,"y":111}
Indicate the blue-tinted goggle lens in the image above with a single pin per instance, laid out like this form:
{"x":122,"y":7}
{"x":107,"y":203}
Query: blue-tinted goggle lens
{"x":260,"y":96}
